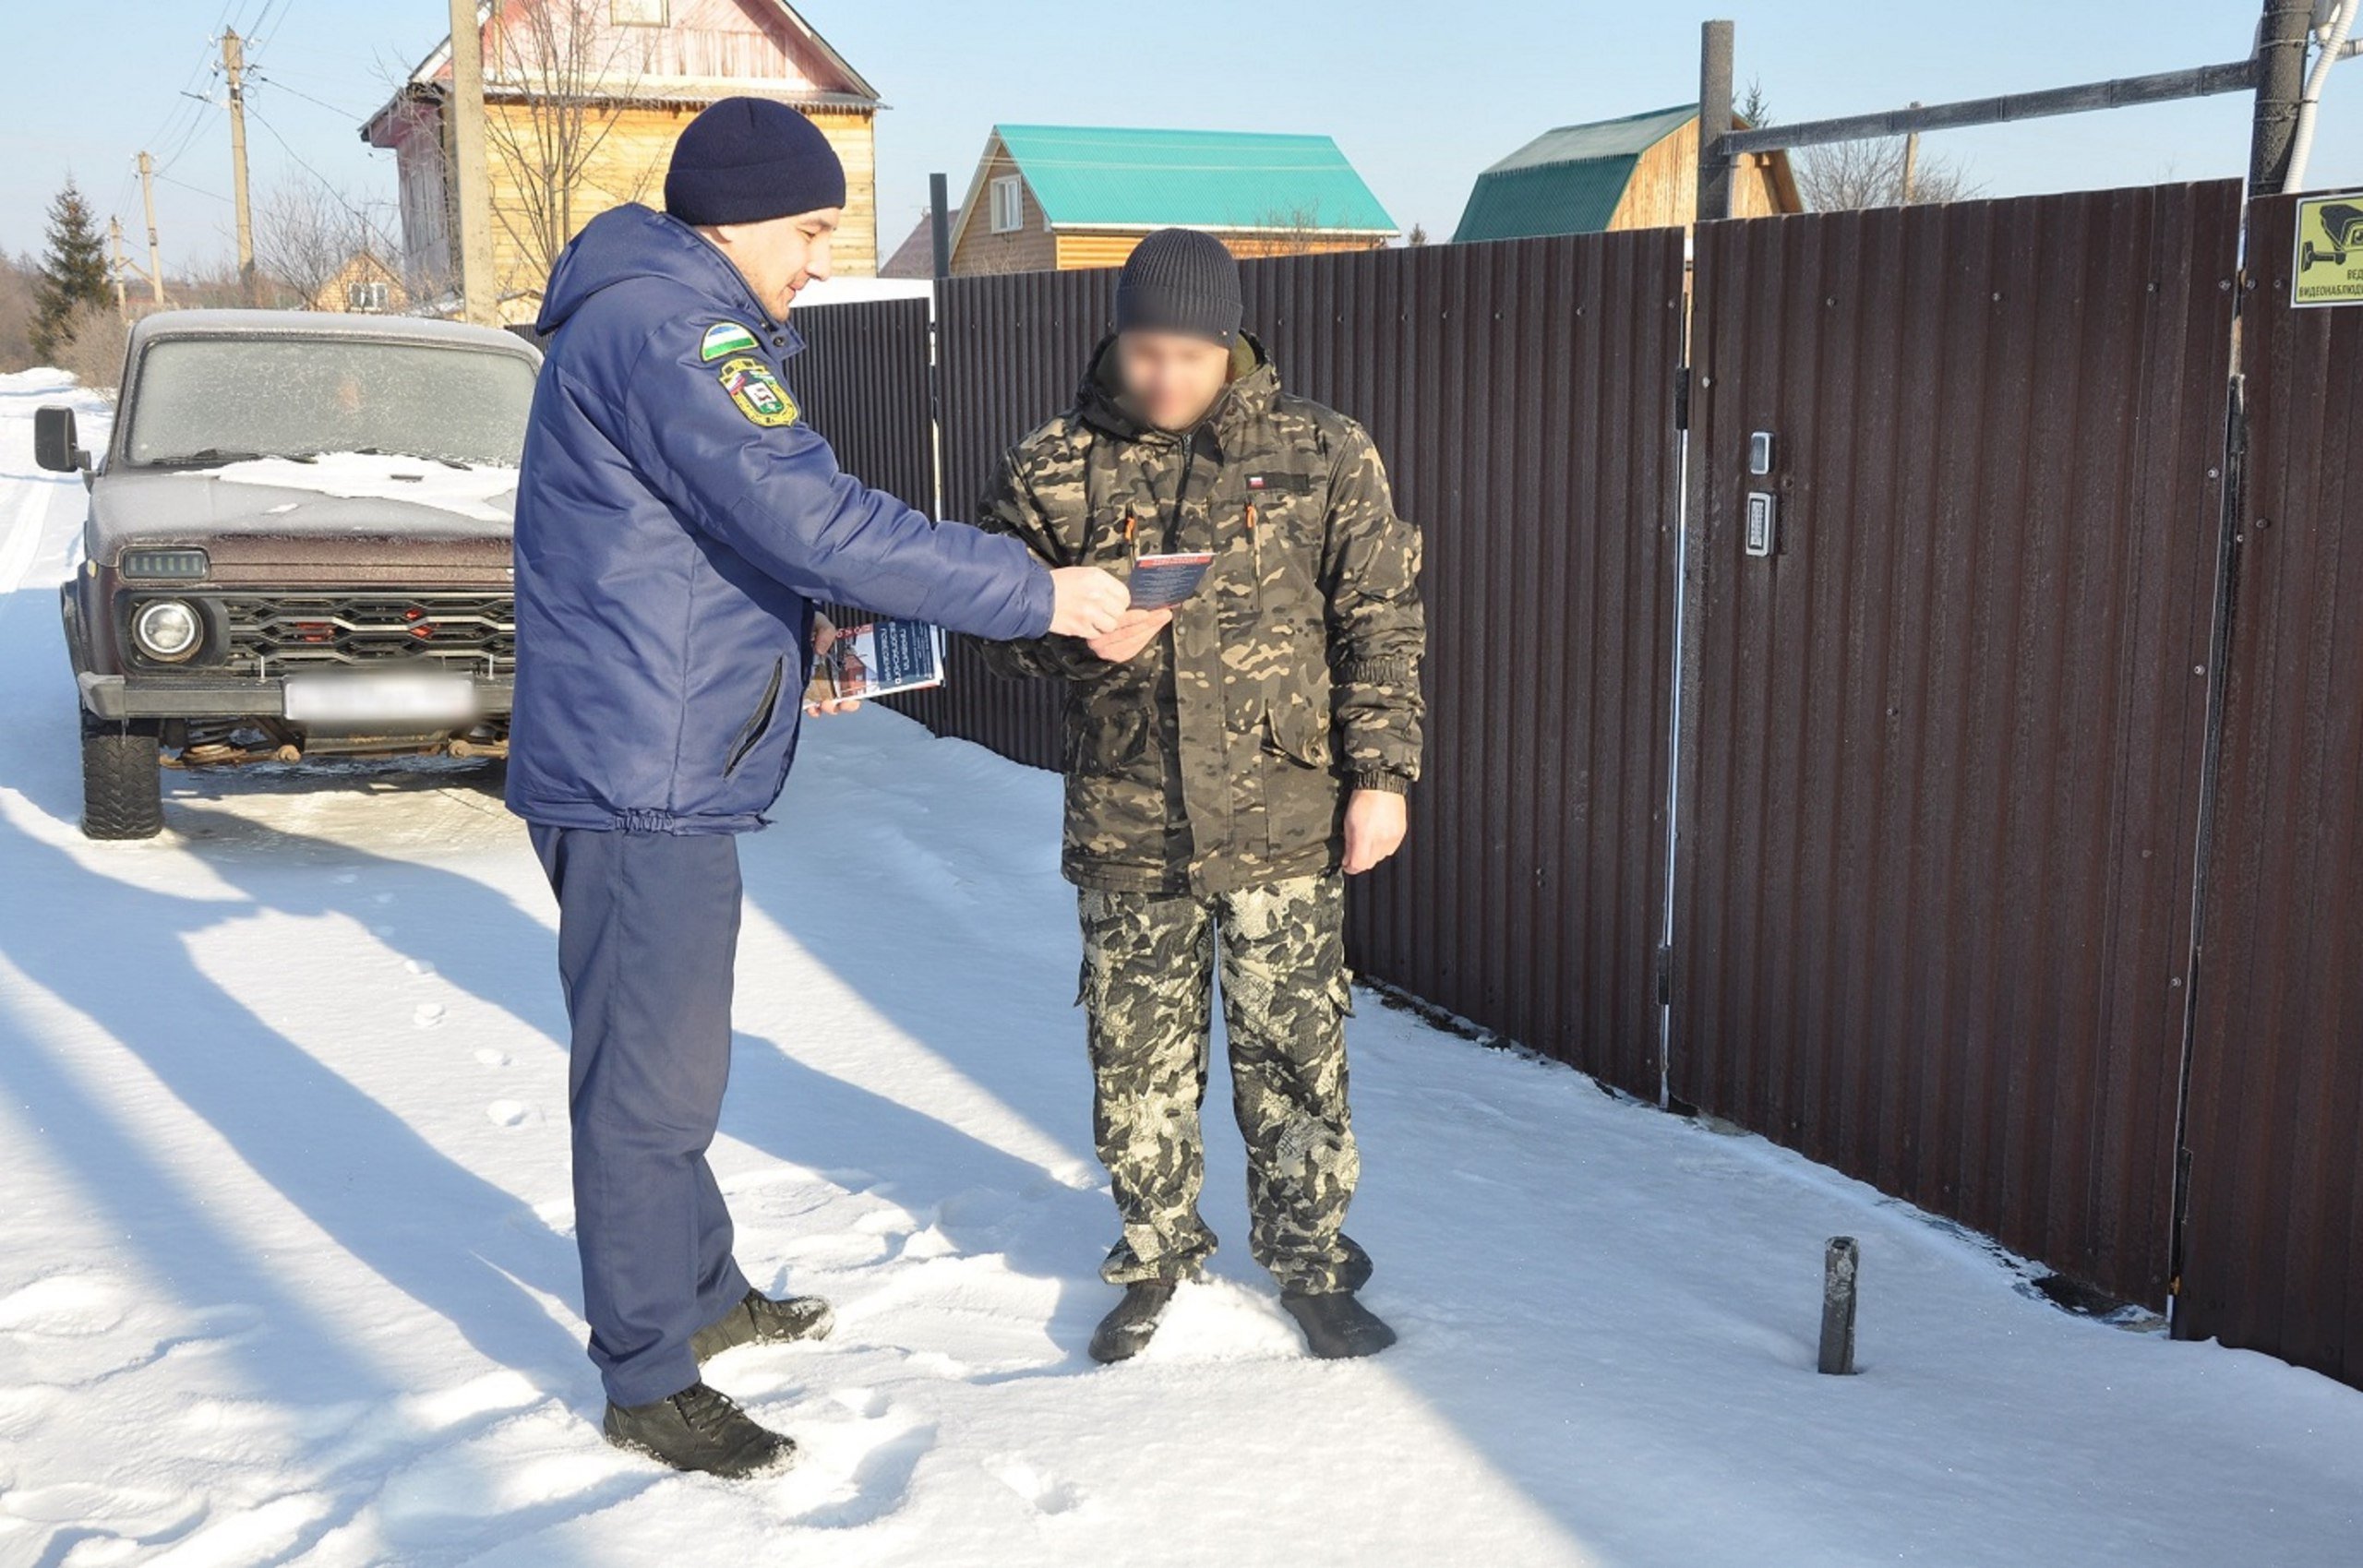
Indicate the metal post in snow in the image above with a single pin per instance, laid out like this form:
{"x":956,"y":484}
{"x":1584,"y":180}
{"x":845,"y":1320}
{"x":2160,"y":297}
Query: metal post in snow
{"x":939,"y":213}
{"x":1714,"y":120}
{"x":1839,"y":1267}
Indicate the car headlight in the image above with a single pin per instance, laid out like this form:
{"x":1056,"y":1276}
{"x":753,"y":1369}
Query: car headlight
{"x":167,"y":629}
{"x":187,"y":564}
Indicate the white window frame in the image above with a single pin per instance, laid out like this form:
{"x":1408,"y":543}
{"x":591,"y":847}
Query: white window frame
{"x":367,"y":296}
{"x":1008,"y":193}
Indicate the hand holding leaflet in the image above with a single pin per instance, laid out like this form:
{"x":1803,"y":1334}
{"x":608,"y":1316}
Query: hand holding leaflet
{"x":1159,"y":581}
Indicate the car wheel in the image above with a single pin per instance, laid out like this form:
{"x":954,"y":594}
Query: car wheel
{"x":123,"y":792}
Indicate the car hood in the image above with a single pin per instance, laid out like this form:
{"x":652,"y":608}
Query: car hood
{"x":344,"y":495}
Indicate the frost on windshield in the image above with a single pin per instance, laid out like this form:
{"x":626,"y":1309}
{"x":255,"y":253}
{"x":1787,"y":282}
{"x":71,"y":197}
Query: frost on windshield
{"x":207,"y":399}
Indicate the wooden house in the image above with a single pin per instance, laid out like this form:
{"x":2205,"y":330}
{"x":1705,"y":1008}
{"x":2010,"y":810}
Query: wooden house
{"x":366,"y":284}
{"x":1637,"y":172}
{"x":1056,"y":197}
{"x":583,"y":100}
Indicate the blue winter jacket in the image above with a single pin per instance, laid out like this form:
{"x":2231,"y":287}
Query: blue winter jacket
{"x":675,"y":518}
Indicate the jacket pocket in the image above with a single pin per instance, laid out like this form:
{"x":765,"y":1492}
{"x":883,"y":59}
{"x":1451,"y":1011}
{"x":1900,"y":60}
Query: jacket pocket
{"x":758,"y":723}
{"x":1298,"y":731}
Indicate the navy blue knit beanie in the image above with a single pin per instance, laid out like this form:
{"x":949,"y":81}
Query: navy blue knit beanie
{"x":745,"y":159}
{"x":1180,"y":281}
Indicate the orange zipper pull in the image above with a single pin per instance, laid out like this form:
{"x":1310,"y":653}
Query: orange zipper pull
{"x":1251,"y":514}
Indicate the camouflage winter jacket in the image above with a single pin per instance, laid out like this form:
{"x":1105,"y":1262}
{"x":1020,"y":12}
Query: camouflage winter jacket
{"x":1219,"y":756}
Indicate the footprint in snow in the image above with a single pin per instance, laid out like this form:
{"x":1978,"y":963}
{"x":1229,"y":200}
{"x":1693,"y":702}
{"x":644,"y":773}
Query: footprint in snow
{"x":418,"y":966}
{"x":427,"y":1015}
{"x":487,"y":1057}
{"x":865,"y":1403}
{"x":1044,"y":1493}
{"x":510,"y":1113}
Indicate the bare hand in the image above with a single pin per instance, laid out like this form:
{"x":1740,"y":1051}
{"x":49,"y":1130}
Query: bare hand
{"x":821,"y":697}
{"x":1086,"y":602}
{"x":1375,"y":822}
{"x":1133,"y":632}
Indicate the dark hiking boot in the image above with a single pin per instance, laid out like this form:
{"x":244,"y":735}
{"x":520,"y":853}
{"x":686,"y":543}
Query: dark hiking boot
{"x":1125,"y":1332}
{"x":1355,"y":1272}
{"x":1337,"y":1327}
{"x":759,"y":1320}
{"x":698,"y":1429}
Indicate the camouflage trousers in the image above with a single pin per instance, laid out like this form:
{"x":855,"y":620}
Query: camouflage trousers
{"x":1149,"y":963}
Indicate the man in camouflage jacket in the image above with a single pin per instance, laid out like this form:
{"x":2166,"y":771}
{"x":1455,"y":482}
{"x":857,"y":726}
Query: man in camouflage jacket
{"x":1227,"y":759}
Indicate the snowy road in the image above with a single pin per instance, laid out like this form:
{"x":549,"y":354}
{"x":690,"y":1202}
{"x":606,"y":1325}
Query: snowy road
{"x":285,"y":1269}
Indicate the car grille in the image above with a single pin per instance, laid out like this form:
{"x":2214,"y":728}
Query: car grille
{"x":270,"y":634}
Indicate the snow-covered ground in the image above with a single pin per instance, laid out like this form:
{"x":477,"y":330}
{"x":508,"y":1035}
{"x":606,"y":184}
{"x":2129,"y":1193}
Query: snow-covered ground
{"x":285,"y":1271}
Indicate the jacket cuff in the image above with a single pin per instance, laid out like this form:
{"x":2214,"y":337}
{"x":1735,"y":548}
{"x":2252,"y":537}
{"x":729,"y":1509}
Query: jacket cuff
{"x":1041,"y":603}
{"x":1393,"y":784}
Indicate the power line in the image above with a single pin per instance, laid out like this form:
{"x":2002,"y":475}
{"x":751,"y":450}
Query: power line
{"x":326,"y":185}
{"x":297,"y":91}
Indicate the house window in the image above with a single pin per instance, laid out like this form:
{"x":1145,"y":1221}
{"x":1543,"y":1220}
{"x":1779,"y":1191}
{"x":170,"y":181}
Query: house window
{"x":369,"y":296}
{"x":639,"y":13}
{"x":1009,"y":204}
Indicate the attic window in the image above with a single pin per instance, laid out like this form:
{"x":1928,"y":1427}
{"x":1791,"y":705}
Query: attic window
{"x":640,"y":13}
{"x":1009,"y":204}
{"x":370,"y":295}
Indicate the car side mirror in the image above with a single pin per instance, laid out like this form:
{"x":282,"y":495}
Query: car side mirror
{"x":54,"y":446}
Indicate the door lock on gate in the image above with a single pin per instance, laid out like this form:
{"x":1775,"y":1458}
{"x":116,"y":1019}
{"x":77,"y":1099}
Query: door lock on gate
{"x":1763,"y":535}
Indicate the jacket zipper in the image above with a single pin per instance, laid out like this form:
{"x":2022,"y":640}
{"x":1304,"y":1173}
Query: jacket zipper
{"x":752,"y":733}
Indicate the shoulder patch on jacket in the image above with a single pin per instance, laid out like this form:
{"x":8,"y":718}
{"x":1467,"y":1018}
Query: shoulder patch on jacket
{"x":725,"y":338}
{"x":756,"y":392}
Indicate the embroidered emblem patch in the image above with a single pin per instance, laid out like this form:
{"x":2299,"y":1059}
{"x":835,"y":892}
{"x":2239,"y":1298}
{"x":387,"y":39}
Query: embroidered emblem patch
{"x":725,"y":338}
{"x":758,"y":393}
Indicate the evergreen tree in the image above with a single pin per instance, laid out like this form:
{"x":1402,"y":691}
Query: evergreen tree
{"x":73,"y":273}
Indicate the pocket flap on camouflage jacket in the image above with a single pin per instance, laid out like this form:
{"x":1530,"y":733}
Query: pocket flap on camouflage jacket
{"x":1300,"y":734}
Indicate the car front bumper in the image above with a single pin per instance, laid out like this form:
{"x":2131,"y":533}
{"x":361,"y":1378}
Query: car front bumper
{"x":115,"y":697}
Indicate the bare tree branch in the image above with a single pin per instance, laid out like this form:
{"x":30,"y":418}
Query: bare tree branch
{"x":560,"y":75}
{"x":1851,"y":175}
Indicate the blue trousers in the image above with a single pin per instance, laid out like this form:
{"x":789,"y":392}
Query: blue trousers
{"x":648,"y":938}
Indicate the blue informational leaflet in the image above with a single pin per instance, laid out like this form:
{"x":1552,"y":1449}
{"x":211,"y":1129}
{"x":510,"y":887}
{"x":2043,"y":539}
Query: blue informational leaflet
{"x":1159,"y":581}
{"x":881,"y":657}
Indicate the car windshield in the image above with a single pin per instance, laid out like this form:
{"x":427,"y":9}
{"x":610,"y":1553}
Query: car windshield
{"x":206,"y":400}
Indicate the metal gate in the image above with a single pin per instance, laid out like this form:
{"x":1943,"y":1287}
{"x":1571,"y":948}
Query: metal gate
{"x":1953,"y":528}
{"x":2274,"y":1254}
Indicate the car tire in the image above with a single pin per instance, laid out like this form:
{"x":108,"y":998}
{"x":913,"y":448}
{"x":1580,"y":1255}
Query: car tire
{"x":123,"y":791}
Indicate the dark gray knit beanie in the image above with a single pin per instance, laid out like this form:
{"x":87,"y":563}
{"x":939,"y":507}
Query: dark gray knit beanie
{"x":1180,"y":281}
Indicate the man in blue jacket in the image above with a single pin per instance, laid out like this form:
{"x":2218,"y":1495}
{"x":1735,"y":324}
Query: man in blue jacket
{"x":675,"y":518}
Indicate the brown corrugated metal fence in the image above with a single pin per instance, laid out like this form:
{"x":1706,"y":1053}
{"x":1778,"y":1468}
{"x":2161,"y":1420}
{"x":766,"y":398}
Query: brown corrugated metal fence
{"x":864,"y":383}
{"x":2273,"y":1249}
{"x":1942,"y":749}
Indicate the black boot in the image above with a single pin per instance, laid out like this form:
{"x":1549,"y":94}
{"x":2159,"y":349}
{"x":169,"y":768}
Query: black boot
{"x":1125,"y":1332}
{"x":1337,"y":1327}
{"x":698,"y":1429}
{"x":759,"y":1320}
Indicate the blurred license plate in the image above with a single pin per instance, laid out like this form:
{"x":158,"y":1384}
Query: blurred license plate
{"x":406,"y":698}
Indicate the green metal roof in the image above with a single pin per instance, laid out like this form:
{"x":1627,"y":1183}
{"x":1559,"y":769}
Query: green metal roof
{"x":1566,"y":181}
{"x":1085,"y":175}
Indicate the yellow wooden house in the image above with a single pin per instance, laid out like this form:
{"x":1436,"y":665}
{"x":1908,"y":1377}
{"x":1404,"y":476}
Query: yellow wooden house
{"x":368,"y":284}
{"x":583,"y":100}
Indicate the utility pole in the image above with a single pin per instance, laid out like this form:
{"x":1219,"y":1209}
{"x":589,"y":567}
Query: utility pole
{"x":233,"y":62}
{"x":2280,"y":83}
{"x":148,"y":203}
{"x":1910,"y":163}
{"x":1714,"y":120}
{"x":479,"y":294}
{"x":115,"y":269}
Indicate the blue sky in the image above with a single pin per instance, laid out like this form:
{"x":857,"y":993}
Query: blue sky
{"x":1419,"y":96}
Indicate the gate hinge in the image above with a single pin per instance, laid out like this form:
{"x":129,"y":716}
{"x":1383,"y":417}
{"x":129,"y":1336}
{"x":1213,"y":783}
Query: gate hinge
{"x":1665,"y":975}
{"x":1681,"y":398}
